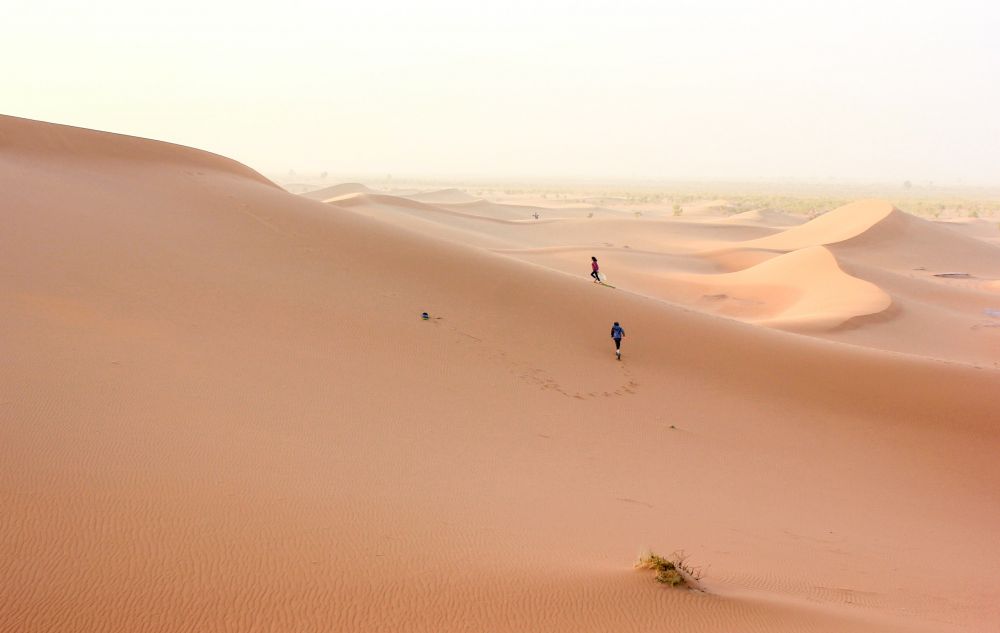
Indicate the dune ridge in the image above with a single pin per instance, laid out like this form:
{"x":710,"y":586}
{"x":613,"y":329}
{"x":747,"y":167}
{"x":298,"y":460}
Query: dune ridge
{"x":225,"y":411}
{"x":902,"y":241}
{"x":25,"y":138}
{"x":843,"y":223}
{"x":801,"y":290}
{"x":766,"y":217}
{"x":445,"y":196}
{"x":337,"y":191}
{"x":406,"y":202}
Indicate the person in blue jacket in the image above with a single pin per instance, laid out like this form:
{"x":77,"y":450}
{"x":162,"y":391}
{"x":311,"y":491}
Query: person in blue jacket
{"x":618,"y":333}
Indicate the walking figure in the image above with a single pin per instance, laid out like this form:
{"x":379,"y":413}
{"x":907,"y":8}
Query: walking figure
{"x":618,"y":333}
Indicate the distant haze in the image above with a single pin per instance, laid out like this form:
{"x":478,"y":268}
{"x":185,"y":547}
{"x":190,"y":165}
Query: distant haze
{"x":885,"y":91}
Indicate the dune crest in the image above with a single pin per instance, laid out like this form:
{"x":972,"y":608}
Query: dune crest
{"x":765,"y":217}
{"x":337,"y":191}
{"x":57,"y":144}
{"x":805,"y":290}
{"x":843,"y":223}
{"x":905,"y":242}
{"x":443,"y":196}
{"x":384,"y":202}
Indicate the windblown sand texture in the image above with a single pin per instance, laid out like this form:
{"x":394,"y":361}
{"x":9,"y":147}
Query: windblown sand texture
{"x":220,"y":410}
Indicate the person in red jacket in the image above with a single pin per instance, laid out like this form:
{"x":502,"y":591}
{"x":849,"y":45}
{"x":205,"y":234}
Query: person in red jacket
{"x":595,"y":268}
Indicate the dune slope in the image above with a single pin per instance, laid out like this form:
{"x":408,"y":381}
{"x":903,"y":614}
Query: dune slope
{"x":446,"y":196}
{"x":904,"y":242}
{"x":841,"y":224}
{"x":336,"y":191}
{"x":804,"y":290}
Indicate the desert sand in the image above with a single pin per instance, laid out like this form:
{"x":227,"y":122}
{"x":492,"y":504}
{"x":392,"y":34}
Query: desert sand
{"x":220,"y":409}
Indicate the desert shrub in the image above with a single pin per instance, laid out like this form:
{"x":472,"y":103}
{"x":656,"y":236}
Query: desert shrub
{"x":674,"y":571}
{"x":670,"y":577}
{"x":678,"y":210}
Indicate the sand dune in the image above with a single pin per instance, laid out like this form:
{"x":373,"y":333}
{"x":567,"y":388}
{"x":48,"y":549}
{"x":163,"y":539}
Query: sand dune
{"x":653,"y":257}
{"x":28,"y":143}
{"x":804,"y":290}
{"x":843,"y":223}
{"x":220,"y":411}
{"x":979,"y":228}
{"x":446,"y":196}
{"x":928,"y":318}
{"x":938,"y":279}
{"x":935,"y":314}
{"x":490,"y":226}
{"x":476,"y":207}
{"x":876,"y":232}
{"x":525,"y":211}
{"x":901,"y":241}
{"x":765,"y":217}
{"x":427,"y":209}
{"x":337,"y":191}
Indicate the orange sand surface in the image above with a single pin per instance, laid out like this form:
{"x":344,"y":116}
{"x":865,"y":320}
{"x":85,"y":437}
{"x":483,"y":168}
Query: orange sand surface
{"x":220,"y":410}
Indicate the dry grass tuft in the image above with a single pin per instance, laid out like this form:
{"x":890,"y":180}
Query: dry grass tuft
{"x":674,"y":571}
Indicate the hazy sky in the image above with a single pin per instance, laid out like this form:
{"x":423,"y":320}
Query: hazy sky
{"x":872,"y":90}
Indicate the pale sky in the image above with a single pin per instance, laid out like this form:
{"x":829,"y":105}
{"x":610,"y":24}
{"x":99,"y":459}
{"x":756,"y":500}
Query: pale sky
{"x":871,"y":90}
